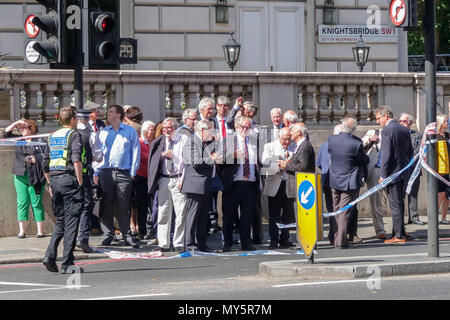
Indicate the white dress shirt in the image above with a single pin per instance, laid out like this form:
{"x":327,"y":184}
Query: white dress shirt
{"x":252,"y":160}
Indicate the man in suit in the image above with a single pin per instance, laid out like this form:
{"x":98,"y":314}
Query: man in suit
{"x":189,"y":117}
{"x":396,"y":151}
{"x":242,"y":108}
{"x":165,"y":170}
{"x":241,"y":181}
{"x":275,"y":187}
{"x":406,"y":120}
{"x":377,"y":201}
{"x":206,"y":109}
{"x":347,"y":168}
{"x":289,"y":118}
{"x":199,"y":170}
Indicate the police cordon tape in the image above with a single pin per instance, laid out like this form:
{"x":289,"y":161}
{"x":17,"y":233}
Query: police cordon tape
{"x":17,"y":141}
{"x":118,"y":255}
{"x":429,"y":130}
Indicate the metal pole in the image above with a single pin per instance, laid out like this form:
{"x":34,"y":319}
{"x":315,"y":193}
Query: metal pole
{"x":78,"y":63}
{"x":430,"y":89}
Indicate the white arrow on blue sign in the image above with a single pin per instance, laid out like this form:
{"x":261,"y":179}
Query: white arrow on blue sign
{"x":306,"y":194}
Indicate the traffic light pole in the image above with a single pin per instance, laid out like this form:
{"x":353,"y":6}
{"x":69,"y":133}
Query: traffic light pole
{"x":78,"y":63}
{"x":430,"y":89}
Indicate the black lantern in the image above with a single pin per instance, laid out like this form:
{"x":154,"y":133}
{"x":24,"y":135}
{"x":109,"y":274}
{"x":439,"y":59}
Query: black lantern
{"x":360,"y":54}
{"x":231,"y":51}
{"x":221,"y":11}
{"x":329,"y":12}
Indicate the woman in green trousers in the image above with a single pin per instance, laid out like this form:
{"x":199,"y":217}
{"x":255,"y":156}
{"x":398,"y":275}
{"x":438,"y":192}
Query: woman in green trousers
{"x":29,"y":179}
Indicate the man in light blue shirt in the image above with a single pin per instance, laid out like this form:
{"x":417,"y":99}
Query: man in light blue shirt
{"x":121,"y":159}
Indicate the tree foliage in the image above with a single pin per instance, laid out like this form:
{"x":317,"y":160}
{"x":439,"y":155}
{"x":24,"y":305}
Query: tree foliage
{"x":416,"y":39}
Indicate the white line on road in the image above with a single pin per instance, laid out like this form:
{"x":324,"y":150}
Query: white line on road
{"x":303,"y":284}
{"x":133,"y":296}
{"x":26,"y":284}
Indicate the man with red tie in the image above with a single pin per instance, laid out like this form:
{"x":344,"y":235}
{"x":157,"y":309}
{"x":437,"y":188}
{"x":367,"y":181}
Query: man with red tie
{"x":241,"y":180}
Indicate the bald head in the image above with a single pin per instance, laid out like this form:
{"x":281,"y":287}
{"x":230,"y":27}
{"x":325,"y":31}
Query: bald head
{"x":285,"y":137}
{"x":349,"y":124}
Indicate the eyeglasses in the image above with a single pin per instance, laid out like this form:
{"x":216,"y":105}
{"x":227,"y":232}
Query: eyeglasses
{"x":245,"y":128}
{"x":403,"y":121}
{"x":222,"y":105}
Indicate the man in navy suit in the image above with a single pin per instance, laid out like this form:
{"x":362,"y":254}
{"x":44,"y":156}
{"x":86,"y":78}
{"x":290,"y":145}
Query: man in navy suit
{"x":347,"y":169}
{"x":395,"y":152}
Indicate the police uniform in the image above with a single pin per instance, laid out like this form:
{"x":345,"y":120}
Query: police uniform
{"x":67,"y":198}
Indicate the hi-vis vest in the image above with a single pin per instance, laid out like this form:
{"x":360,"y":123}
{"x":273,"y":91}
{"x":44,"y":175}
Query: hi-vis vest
{"x":442,"y":157}
{"x":59,"y":148}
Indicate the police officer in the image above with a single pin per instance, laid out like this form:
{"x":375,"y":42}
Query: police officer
{"x":91,"y":152}
{"x":63,"y":171}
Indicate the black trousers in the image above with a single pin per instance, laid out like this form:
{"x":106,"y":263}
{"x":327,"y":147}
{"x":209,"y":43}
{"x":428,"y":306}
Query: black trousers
{"x":241,"y":195}
{"x":197,"y":209}
{"x":276,"y":204}
{"x":142,"y":201}
{"x":88,"y":206}
{"x":67,"y":203}
{"x":396,"y":195}
{"x":117,"y":188}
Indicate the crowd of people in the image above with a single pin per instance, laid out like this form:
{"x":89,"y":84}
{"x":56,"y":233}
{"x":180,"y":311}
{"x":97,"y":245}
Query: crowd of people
{"x":160,"y":181}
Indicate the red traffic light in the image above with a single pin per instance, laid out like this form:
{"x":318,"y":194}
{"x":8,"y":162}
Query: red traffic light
{"x":104,"y":23}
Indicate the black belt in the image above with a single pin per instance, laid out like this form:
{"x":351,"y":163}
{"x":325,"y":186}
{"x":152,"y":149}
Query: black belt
{"x":170,"y":176}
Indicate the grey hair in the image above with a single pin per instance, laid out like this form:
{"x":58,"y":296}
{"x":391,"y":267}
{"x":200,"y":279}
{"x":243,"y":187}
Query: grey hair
{"x":250,"y":106}
{"x":291,"y":117}
{"x":408,"y":116}
{"x":204,"y":102}
{"x":275,"y":110}
{"x":223,"y":100}
{"x":385,"y":110}
{"x":240,"y":119}
{"x":203,"y":124}
{"x":337,"y":129}
{"x":174,"y":122}
{"x":299,"y":127}
{"x":348,"y":127}
{"x":186,"y":113}
{"x":145,"y":126}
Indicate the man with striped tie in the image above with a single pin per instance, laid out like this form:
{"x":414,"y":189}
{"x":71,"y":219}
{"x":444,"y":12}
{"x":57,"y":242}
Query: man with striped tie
{"x":241,"y":180}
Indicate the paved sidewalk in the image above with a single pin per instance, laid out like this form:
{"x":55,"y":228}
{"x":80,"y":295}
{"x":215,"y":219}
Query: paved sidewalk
{"x":329,"y":262}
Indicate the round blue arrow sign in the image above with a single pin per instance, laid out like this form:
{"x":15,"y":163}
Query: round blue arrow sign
{"x":306,"y":194}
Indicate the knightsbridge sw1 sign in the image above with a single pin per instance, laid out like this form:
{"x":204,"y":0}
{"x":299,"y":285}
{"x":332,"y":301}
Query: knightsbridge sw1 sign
{"x":350,"y":33}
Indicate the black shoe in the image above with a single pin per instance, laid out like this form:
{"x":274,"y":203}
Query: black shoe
{"x":248,"y":248}
{"x":418,"y":222}
{"x":180,"y":249}
{"x":131,"y":241}
{"x":285,"y":245}
{"x":226,"y":248}
{"x":71,"y":269}
{"x":205,"y":249}
{"x":107,"y":241}
{"x":84,"y":247}
{"x":273,"y":245}
{"x":164,"y":249}
{"x":50,"y":265}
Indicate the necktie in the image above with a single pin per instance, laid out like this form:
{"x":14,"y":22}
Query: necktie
{"x":246,"y":161}
{"x":224,"y":130}
{"x":169,"y":163}
{"x":95,"y":126}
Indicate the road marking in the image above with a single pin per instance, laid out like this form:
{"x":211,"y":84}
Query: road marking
{"x":133,"y":296}
{"x":30,"y":284}
{"x":303,"y":284}
{"x":51,"y":287}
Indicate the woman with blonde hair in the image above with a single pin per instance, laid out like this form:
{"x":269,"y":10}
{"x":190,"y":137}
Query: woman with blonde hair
{"x":443,"y":164}
{"x":29,"y":179}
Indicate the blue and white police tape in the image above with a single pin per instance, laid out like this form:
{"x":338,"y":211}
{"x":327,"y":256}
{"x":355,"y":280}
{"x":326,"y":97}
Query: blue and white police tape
{"x":366,"y":194}
{"x":20,"y":143}
{"x":118,"y":255}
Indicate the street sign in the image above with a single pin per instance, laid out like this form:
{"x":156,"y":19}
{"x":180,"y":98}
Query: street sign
{"x":31,"y":54}
{"x":309,"y":213}
{"x":397,"y":12}
{"x":31,"y":30}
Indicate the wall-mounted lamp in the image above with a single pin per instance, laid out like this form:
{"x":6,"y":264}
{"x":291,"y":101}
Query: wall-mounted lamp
{"x":231,"y":51}
{"x":329,"y":12}
{"x":221,"y":11}
{"x":360,"y":54}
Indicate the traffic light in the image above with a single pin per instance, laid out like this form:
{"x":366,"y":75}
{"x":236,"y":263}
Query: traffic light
{"x":412,"y":13}
{"x":50,"y":24}
{"x":104,"y":36}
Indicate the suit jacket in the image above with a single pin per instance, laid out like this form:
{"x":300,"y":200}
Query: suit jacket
{"x":348,"y":162}
{"x":396,"y":149}
{"x":230,"y":165}
{"x":198,"y":166}
{"x":154,"y":157}
{"x":273,"y":152}
{"x":302,"y":161}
